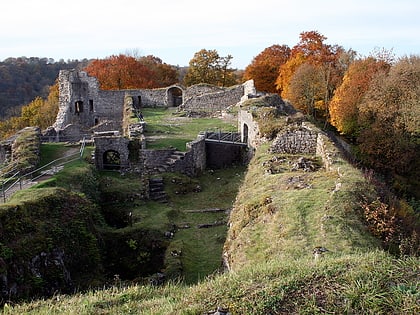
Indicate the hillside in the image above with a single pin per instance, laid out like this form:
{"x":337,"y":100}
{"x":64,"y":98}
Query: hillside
{"x":25,"y":78}
{"x":289,"y":207}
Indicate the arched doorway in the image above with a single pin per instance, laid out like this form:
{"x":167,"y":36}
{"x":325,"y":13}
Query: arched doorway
{"x":245,"y":133}
{"x":174,"y":95}
{"x":111,"y":160}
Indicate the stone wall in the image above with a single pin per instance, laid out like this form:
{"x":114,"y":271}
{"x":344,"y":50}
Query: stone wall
{"x":296,"y":140}
{"x":83,"y":103}
{"x":194,"y":162}
{"x":216,"y":100}
{"x":249,"y":129}
{"x":118,"y":144}
{"x":326,"y":149}
{"x":221,"y":155}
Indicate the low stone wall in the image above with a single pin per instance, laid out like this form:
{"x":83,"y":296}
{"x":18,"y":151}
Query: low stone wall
{"x":192,"y":164}
{"x":215,"y":101}
{"x":296,"y":140}
{"x":326,"y":149}
{"x":154,"y":159}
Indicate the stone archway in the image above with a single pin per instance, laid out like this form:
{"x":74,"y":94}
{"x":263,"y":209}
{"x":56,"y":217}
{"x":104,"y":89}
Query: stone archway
{"x":111,"y":153}
{"x":111,"y":160}
{"x":174,"y":96}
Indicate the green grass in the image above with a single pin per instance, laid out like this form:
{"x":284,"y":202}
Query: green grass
{"x":276,"y":221}
{"x":166,"y":128}
{"x":357,"y":283}
{"x":53,"y":151}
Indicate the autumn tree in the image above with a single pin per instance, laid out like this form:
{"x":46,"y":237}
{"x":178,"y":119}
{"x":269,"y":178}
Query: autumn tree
{"x":307,"y":88}
{"x":163,"y":74}
{"x":390,"y":128}
{"x":121,"y":72}
{"x":208,"y":67}
{"x":40,"y":112}
{"x":326,"y":58}
{"x":344,"y":106}
{"x":264,"y":68}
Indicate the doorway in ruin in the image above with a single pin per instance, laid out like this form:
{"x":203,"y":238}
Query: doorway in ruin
{"x":111,"y":160}
{"x":245,"y":133}
{"x":174,"y":96}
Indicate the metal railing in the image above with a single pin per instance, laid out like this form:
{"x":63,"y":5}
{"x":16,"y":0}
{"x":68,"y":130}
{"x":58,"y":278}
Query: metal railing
{"x":15,"y":179}
{"x":224,"y":137}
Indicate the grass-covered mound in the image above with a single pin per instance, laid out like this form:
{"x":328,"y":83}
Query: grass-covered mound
{"x":357,"y":283}
{"x":48,"y":243}
{"x":283,"y":212}
{"x":278,"y":218}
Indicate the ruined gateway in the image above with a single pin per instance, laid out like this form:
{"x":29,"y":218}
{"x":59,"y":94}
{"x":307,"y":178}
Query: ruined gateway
{"x":85,"y":111}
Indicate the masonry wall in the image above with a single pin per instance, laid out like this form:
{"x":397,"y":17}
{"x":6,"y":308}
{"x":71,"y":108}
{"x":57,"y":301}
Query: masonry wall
{"x":194,"y":162}
{"x":118,"y":144}
{"x":249,"y":129}
{"x":154,"y":159}
{"x":296,"y":140}
{"x":214,"y":100}
{"x":223,"y":155}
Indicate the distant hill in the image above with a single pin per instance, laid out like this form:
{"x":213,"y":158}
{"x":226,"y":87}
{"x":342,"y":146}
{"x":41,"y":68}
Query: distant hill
{"x":24,"y":78}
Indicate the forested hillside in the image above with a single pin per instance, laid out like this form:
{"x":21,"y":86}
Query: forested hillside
{"x":23,"y":79}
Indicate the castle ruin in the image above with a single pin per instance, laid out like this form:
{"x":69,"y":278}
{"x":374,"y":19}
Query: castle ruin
{"x":85,"y":110}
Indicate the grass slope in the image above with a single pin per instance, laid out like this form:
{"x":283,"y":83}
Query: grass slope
{"x":275,"y":223}
{"x":277,"y":219}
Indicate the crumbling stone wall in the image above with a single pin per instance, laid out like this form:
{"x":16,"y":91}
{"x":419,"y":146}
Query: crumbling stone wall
{"x":83,"y":103}
{"x":194,"y":162}
{"x":249,"y":129}
{"x":215,"y":99}
{"x":296,"y":140}
{"x":104,"y":144}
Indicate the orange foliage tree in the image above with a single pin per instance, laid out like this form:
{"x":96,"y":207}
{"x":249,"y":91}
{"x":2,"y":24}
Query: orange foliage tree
{"x":127,"y":72}
{"x":389,"y":125}
{"x":164,"y":74}
{"x":264,"y":68}
{"x":327,"y":60}
{"x":344,"y":106}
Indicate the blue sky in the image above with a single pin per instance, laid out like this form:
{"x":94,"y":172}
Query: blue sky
{"x":174,"y":30}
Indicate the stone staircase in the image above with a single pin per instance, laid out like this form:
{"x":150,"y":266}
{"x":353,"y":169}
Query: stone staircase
{"x":157,"y":190}
{"x":170,"y":161}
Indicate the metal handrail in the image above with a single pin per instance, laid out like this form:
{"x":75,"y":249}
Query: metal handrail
{"x":19,"y":180}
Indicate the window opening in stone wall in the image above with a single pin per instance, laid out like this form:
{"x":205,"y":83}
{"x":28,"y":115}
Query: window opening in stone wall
{"x":96,"y":121}
{"x":112,"y":160}
{"x":139,"y":99}
{"x":78,"y":107}
{"x":91,"y":105}
{"x":245,"y":134}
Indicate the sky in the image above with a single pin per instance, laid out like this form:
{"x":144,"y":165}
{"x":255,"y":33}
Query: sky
{"x":174,"y":30}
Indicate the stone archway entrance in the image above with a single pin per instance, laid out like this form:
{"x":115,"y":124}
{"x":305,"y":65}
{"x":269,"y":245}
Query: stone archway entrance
{"x":112,"y":160}
{"x":111,"y":153}
{"x":174,"y":96}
